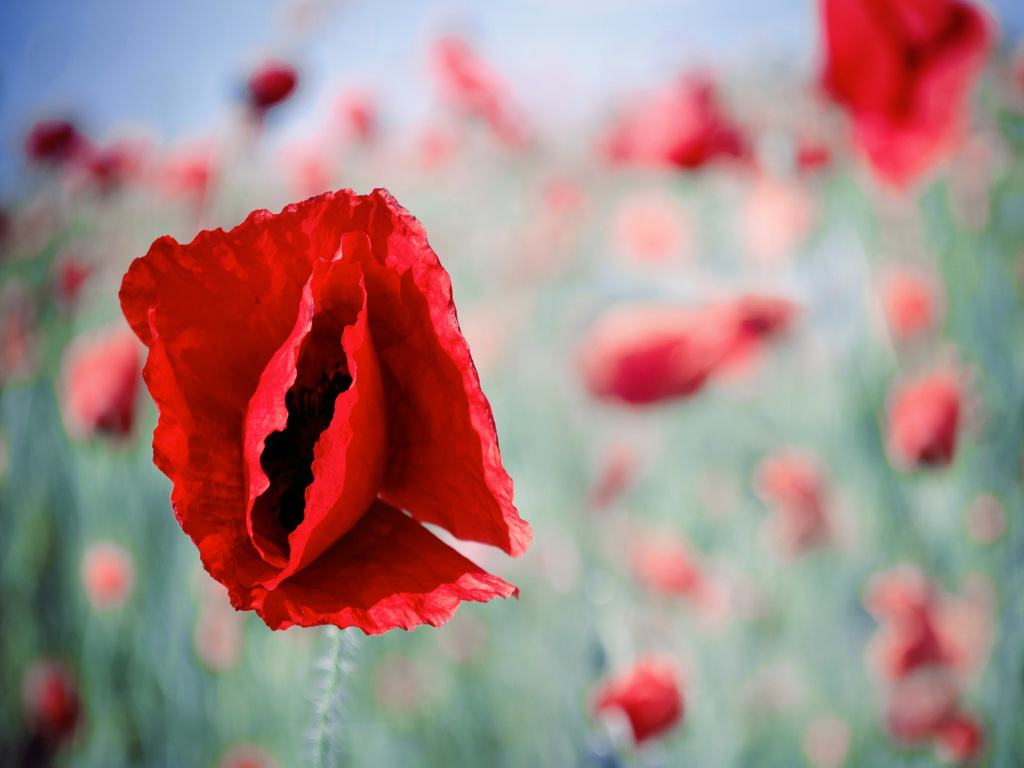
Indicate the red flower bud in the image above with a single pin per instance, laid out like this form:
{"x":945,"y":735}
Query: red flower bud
{"x":924,"y":416}
{"x":271,"y":84}
{"x":648,"y":694}
{"x":50,"y":696}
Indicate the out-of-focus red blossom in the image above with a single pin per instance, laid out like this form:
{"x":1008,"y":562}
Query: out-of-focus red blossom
{"x":903,"y":70}
{"x":926,"y":709}
{"x":794,"y":485}
{"x":72,"y":273}
{"x":19,"y":335}
{"x":922,"y":627}
{"x":108,"y":575}
{"x":960,"y":739}
{"x":50,"y":696}
{"x":649,"y":695}
{"x":667,"y":563}
{"x":187,"y":172}
{"x":101,"y":379}
{"x":563,"y":196}
{"x":650,"y":228}
{"x":247,"y":755}
{"x":616,"y":472}
{"x":757,"y":319}
{"x":917,"y":707}
{"x":911,"y":300}
{"x":54,"y":142}
{"x":647,"y":353}
{"x":923,"y":420}
{"x":682,"y":126}
{"x":312,"y":381}
{"x":270,"y":84}
{"x":812,"y":156}
{"x":467,"y":83}
{"x":435,"y":148}
{"x":356,"y":114}
{"x":110,"y":168}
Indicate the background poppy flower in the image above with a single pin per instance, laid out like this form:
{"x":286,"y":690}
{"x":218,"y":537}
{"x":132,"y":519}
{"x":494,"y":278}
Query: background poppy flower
{"x":911,"y":300}
{"x":108,"y":575}
{"x":269,"y":85}
{"x":54,"y":141}
{"x":312,"y":381}
{"x":467,"y":83}
{"x":648,"y":694}
{"x":924,"y":416}
{"x":50,"y":695}
{"x":794,"y":485}
{"x":903,"y":70}
{"x":647,"y":353}
{"x":683,"y":126}
{"x":101,"y":379}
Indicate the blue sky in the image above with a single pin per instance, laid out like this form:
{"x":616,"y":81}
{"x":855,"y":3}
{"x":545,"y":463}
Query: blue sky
{"x":173,"y":67}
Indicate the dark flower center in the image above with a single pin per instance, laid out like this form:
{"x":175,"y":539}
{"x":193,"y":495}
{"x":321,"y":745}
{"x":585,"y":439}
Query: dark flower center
{"x":287,"y":457}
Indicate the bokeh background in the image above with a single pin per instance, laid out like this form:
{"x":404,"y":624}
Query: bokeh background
{"x":821,"y":598}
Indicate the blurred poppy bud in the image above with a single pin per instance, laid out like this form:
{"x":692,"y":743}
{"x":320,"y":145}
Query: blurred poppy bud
{"x":911,"y":301}
{"x":108,"y":575}
{"x":917,"y":707}
{"x":270,"y":84}
{"x":961,"y":739}
{"x":924,"y":415}
{"x":50,"y":696}
{"x":648,"y":695}
{"x":54,"y":142}
{"x":794,"y":486}
{"x":101,"y":377}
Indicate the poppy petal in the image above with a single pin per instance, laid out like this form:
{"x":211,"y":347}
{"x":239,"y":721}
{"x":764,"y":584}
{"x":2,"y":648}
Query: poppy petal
{"x":387,"y":572}
{"x":444,"y":465}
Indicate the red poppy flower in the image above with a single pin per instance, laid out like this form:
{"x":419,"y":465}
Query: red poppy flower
{"x":271,"y":84}
{"x":110,"y":168}
{"x":666,"y":563}
{"x":51,"y":699}
{"x":71,"y":275}
{"x":54,"y":141}
{"x":648,"y":694}
{"x":924,"y":415}
{"x":903,"y":70}
{"x":917,"y":707}
{"x":911,"y":300}
{"x":961,"y":739}
{"x":101,"y":378}
{"x":924,"y":627}
{"x":469,"y":84}
{"x":647,"y":353}
{"x":108,"y":574}
{"x":312,"y":381}
{"x":682,"y":126}
{"x":356,"y":115}
{"x":794,"y":486}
